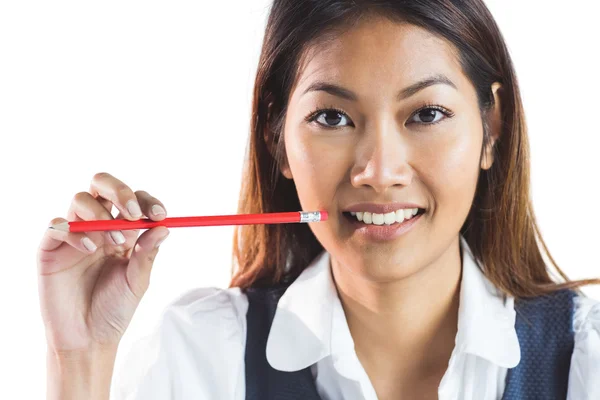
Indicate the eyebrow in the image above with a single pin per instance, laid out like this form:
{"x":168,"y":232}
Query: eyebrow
{"x":344,"y":93}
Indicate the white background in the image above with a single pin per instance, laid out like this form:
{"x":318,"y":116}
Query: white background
{"x":158,"y":94}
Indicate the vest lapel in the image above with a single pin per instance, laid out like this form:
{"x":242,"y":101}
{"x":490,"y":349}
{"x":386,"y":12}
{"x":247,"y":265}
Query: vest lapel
{"x":544,"y":326}
{"x":263,"y":382}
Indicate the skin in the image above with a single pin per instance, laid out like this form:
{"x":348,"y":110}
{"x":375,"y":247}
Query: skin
{"x":88,"y":297}
{"x":400,"y":296}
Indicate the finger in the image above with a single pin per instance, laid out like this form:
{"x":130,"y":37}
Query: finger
{"x":84,"y":207}
{"x":142,"y":258}
{"x":110,"y":188}
{"x":105,"y":202}
{"x":130,"y":234}
{"x":151,"y":206}
{"x":54,"y":238}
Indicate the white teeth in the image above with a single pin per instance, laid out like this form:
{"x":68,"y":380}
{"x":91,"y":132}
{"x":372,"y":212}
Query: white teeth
{"x":390,"y":218}
{"x":352,"y":213}
{"x":399,"y":215}
{"x":377,"y":219}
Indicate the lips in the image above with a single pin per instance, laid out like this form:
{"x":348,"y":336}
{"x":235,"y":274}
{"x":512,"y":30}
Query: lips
{"x":380,"y":208}
{"x":377,"y":230}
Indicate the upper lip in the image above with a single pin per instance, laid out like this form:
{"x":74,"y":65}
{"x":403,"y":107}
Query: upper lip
{"x":379,"y":208}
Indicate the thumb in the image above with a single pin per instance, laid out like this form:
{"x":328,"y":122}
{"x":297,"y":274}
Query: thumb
{"x":142,"y":258}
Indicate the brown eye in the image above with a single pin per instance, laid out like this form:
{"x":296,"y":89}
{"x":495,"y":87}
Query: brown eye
{"x":428,"y":116}
{"x":330,"y":118}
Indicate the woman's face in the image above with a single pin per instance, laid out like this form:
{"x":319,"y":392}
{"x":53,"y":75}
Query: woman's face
{"x":394,"y":144}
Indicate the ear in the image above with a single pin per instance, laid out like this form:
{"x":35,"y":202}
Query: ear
{"x":494,"y":122}
{"x":285,"y":167}
{"x":271,"y":139}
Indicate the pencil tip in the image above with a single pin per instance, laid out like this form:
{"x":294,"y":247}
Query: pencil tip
{"x":63,"y":226}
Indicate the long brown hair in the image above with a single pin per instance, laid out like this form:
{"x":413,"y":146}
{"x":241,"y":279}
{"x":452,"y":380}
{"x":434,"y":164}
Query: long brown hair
{"x":500,"y":229}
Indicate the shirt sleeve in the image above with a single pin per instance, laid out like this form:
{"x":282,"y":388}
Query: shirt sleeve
{"x":584,"y":377}
{"x":196,"y":352}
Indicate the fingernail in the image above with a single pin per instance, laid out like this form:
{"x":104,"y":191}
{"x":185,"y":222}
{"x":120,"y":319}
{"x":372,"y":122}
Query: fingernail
{"x":134,"y":209}
{"x":87,"y":242}
{"x":117,"y":237}
{"x":159,"y":242}
{"x":158,"y":210}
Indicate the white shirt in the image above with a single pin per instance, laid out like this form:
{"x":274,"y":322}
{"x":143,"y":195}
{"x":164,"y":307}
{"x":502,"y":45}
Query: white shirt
{"x":197,"y":352}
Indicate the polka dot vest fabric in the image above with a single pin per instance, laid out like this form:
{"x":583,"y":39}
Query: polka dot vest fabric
{"x":544,"y":326}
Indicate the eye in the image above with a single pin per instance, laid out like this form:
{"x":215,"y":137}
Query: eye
{"x":330,"y":118}
{"x":430,"y":115}
{"x":334,"y":118}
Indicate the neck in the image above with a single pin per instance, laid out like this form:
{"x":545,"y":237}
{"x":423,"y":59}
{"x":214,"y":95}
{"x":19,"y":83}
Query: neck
{"x":406,"y":325}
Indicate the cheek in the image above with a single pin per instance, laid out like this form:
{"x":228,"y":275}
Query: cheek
{"x":451,"y":169}
{"x":317,"y":167}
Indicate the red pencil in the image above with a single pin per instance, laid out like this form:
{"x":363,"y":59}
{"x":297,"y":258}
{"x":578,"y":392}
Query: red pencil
{"x":179,"y":222}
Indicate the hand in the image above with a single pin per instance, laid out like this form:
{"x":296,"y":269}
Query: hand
{"x":88,"y":296}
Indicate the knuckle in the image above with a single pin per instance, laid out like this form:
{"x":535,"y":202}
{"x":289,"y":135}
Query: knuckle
{"x":122,"y":189}
{"x":100,"y":176}
{"x":150,"y":257}
{"x":57,"y":220}
{"x":80,"y":197}
{"x":123,"y":193}
{"x":144,"y":196}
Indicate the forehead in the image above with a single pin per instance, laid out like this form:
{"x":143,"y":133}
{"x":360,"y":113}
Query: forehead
{"x":380,"y":55}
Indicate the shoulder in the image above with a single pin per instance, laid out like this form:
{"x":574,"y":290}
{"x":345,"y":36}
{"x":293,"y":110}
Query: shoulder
{"x":587,"y":312}
{"x":586,"y":325}
{"x":585,"y":362}
{"x":198,"y":306}
{"x":196,"y":351}
{"x":203,"y":321}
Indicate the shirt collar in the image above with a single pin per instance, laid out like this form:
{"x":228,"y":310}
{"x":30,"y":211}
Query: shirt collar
{"x":486,"y":317}
{"x":301,"y":333}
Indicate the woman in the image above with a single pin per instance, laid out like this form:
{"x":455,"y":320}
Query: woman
{"x":403,"y":120}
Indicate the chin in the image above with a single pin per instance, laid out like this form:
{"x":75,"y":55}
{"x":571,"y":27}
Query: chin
{"x":378,"y":265}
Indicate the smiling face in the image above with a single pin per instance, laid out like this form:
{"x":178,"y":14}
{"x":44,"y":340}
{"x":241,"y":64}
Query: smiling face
{"x":404,"y":132}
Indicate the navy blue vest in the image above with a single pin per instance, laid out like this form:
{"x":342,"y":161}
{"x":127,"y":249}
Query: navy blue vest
{"x":544,"y":327}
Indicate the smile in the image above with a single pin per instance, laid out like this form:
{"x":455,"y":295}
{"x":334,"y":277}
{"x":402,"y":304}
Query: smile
{"x":391,"y":218}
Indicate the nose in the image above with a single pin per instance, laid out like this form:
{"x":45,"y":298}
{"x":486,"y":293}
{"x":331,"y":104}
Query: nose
{"x":382,"y":160}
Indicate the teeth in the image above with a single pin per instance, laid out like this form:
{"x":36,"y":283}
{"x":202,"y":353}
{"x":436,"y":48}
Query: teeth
{"x":389,"y":218}
{"x":377,"y":219}
{"x":397,"y":216}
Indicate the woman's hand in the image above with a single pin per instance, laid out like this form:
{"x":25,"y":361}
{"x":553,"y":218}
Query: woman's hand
{"x":88,"y":296}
